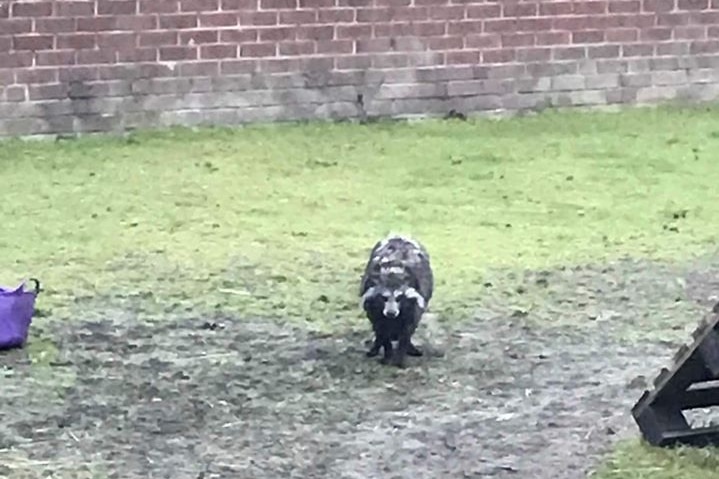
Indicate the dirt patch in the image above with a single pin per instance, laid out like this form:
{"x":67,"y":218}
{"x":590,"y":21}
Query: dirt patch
{"x":230,"y":397}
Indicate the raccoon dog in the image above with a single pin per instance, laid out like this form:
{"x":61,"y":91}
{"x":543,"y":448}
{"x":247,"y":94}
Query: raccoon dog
{"x":396,"y":289}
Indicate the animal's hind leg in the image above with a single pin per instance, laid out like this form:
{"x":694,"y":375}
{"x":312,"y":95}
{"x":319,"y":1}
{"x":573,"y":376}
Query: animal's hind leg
{"x":413,"y":350}
{"x":399,"y":358}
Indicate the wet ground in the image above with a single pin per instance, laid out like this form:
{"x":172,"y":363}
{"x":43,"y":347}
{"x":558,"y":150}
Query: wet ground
{"x":521,"y":391}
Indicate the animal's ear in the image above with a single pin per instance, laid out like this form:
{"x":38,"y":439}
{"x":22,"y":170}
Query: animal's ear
{"x":368,"y":294}
{"x":414,"y":294}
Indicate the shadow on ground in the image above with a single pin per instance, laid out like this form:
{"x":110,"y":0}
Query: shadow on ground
{"x":519,"y":391}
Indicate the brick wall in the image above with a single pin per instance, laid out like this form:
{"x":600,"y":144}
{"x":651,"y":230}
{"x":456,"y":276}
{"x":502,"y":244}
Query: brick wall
{"x":100,"y":65}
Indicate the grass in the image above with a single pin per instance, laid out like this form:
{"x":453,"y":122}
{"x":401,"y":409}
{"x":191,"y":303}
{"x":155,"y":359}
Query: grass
{"x":276,"y":221}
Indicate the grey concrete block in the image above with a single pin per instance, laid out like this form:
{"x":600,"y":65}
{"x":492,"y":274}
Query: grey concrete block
{"x":635,"y":79}
{"x":479,"y":87}
{"x":531,"y":85}
{"x":588,"y":97}
{"x":677,"y":77}
{"x":654,"y":94}
{"x":568,"y":82}
{"x":603,"y":81}
{"x":415,"y":90}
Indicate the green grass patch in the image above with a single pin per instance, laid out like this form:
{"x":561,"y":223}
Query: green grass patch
{"x":277,"y":220}
{"x":637,"y":460}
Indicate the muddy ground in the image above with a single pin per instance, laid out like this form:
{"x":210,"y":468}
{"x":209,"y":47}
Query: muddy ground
{"x":520,"y":392}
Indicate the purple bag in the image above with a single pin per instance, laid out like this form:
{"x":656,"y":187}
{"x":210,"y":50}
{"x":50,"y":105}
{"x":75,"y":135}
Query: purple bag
{"x":17,"y":307}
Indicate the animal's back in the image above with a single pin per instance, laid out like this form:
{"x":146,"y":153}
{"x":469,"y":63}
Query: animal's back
{"x":403,"y":258}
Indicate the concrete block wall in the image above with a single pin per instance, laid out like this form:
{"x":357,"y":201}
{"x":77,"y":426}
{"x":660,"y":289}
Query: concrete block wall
{"x":102,"y":65}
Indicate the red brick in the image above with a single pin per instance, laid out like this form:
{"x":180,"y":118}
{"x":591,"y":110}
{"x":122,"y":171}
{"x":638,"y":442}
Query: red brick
{"x":76,"y":41}
{"x":31,"y":9}
{"x":37,"y":75}
{"x":519,"y":9}
{"x":399,"y":29}
{"x":277,"y":4}
{"x":354,"y":31}
{"x":638,"y":50}
{"x":354,"y":3}
{"x":446,"y":13}
{"x":701,"y":47}
{"x":317,"y":3}
{"x":534,"y":54}
{"x":465,"y":57}
{"x":487,"y":10}
{"x":518,"y":40}
{"x":118,"y":7}
{"x":239,"y":4}
{"x":468,"y":27}
{"x":78,"y":73}
{"x":277,"y":34}
{"x":218,"y":51}
{"x":296,"y":48}
{"x":255,"y":50}
{"x":5,"y":44}
{"x":482,"y":40}
{"x":159,"y":6}
{"x":658,"y":5}
{"x":138,"y":55}
{"x":373,"y":45}
{"x":672,"y":19}
{"x":54,"y":25}
{"x":198,"y":36}
{"x":117,"y":41}
{"x":199,"y":5}
{"x":258,"y":18}
{"x":16,"y":59}
{"x":589,"y":8}
{"x":505,"y":55}
{"x":713,"y":32}
{"x":551,"y":9}
{"x":16,"y":25}
{"x":336,"y":15}
{"x":394,"y":3}
{"x":553,"y":38}
{"x":692,"y":4}
{"x":690,"y":32}
{"x":74,"y":8}
{"x":56,"y":57}
{"x":5,"y":10}
{"x":233,"y":67}
{"x":445,"y":43}
{"x":207,"y":68}
{"x":315,"y":32}
{"x":622,"y":35}
{"x":335,"y":46}
{"x":588,"y":36}
{"x":93,"y":57}
{"x":136,"y":23}
{"x":569,"y":53}
{"x":239,"y":36}
{"x":32,"y":42}
{"x":15,"y":93}
{"x":156,"y":39}
{"x":95,"y":24}
{"x":603,"y":51}
{"x":298,"y":17}
{"x":178,"y":21}
{"x":223,"y":19}
{"x":704,"y":18}
{"x":656,"y":34}
{"x":178,"y":53}
{"x":625,"y":6}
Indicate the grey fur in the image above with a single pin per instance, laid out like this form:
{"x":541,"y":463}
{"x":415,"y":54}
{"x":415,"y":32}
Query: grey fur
{"x":396,"y":289}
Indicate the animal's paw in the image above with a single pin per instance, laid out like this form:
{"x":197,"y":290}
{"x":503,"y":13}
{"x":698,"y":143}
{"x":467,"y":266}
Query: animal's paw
{"x":399,"y":362}
{"x":372,"y":353}
{"x":414,"y":351}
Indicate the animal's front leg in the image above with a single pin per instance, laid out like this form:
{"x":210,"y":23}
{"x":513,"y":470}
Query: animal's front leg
{"x":374,"y":350}
{"x":387,"y":345}
{"x":413,"y":350}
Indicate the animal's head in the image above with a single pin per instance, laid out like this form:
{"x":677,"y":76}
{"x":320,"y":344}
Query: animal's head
{"x":393,"y":299}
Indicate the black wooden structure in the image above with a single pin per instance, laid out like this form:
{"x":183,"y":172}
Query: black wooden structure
{"x":691,"y":383}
